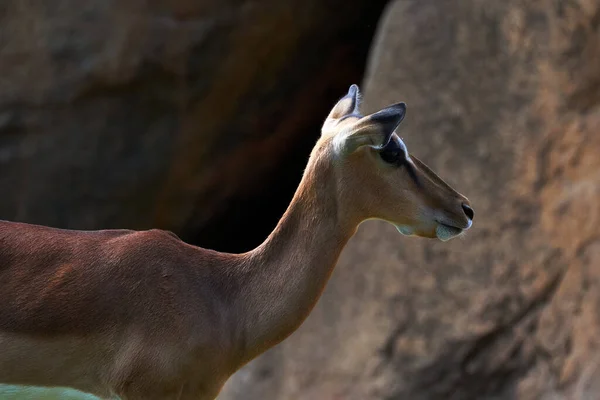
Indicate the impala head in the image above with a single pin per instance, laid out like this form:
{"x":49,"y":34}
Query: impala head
{"x":377,"y":178}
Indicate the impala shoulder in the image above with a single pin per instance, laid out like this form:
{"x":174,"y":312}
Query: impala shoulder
{"x":161,"y":233}
{"x":151,"y":237}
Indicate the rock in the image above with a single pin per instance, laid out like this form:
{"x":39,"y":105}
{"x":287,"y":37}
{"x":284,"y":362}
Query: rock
{"x":504,"y":103}
{"x":139,"y":114}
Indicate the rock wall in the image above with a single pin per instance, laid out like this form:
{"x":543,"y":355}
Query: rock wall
{"x":504,"y":102}
{"x":171,"y":114}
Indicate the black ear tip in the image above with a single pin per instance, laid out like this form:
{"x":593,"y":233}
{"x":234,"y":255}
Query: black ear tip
{"x":390,"y":117}
{"x":400,"y":107}
{"x":398,"y":110}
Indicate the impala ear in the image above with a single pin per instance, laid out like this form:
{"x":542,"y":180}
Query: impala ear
{"x":374,"y":130}
{"x":347,"y":105}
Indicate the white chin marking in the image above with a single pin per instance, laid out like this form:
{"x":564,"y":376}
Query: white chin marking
{"x":405,"y":230}
{"x":445,"y":233}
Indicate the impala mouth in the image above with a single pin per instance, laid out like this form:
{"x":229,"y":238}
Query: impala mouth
{"x":445,"y":232}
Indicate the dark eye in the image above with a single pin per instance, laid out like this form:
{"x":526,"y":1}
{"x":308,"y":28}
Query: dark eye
{"x":392,"y":156}
{"x":392,"y":153}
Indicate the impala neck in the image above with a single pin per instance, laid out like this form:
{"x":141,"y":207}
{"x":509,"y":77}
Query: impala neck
{"x":288,"y":272}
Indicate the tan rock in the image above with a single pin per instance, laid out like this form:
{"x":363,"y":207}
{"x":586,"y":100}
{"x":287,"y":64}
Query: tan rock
{"x":504,"y":102}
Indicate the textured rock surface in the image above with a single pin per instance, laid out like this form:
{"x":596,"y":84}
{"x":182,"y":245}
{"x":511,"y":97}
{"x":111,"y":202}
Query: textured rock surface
{"x":138,"y":114}
{"x":504,"y":102}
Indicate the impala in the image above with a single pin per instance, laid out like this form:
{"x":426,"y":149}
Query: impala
{"x":144,"y":315}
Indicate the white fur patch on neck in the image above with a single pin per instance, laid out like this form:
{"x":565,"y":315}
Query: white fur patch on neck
{"x":337,"y":144}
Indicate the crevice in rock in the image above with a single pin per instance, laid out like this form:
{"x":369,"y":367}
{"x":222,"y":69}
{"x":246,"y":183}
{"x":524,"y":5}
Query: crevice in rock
{"x":462,"y":371}
{"x":324,"y":69}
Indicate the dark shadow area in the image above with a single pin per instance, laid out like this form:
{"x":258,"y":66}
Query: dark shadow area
{"x":325,"y":68}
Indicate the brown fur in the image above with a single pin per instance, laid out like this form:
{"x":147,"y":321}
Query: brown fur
{"x":146,"y":316}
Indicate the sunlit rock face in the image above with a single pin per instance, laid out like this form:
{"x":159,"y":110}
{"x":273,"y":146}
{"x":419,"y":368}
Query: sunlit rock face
{"x":504,"y":103}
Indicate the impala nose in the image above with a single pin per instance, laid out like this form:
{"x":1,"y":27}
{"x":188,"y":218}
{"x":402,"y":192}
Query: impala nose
{"x":468,"y":211}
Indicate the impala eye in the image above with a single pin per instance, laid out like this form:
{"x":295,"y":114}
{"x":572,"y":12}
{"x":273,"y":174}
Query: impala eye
{"x":391,"y":156}
{"x":393,"y":153}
